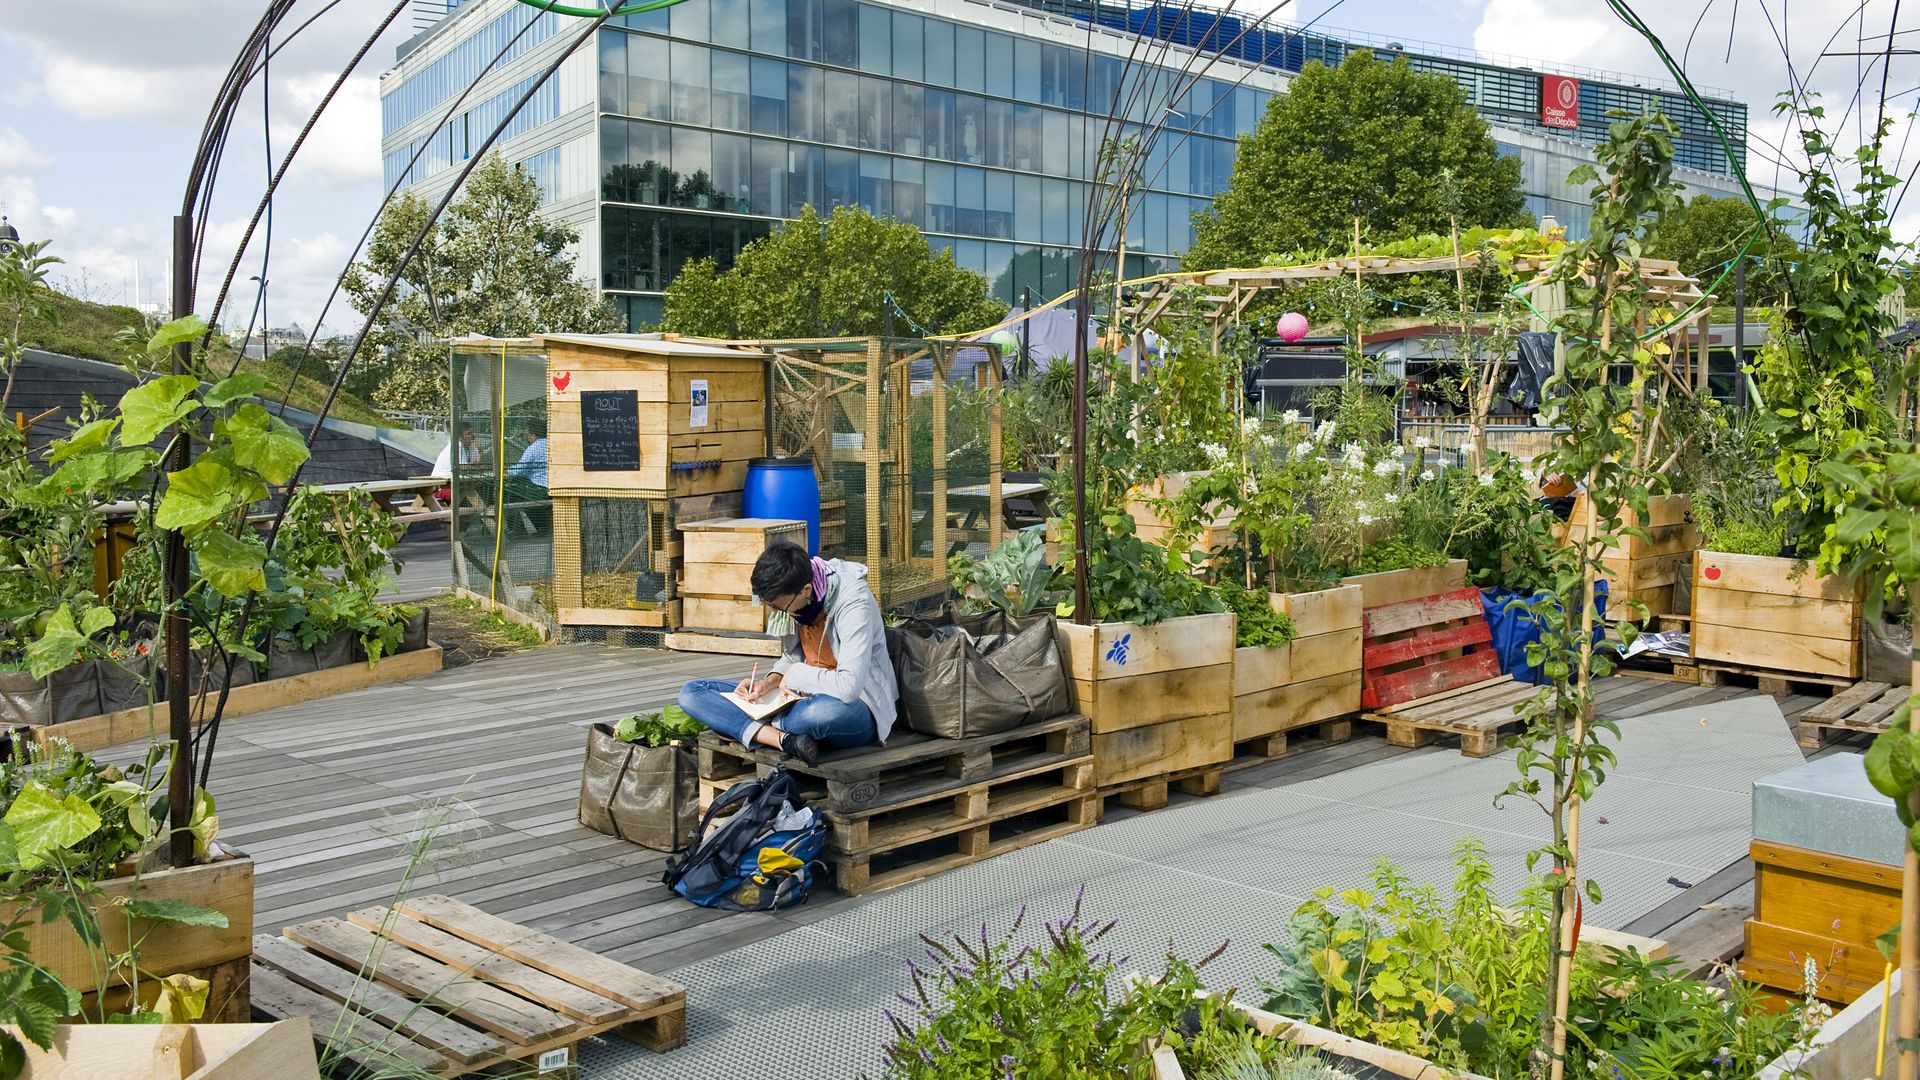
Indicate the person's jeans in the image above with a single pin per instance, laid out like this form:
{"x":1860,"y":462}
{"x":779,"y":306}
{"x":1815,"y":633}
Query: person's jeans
{"x":835,"y":724}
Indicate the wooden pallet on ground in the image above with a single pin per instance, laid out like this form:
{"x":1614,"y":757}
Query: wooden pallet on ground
{"x":436,"y":986}
{"x":1259,"y":750}
{"x":1475,"y":713}
{"x":1865,"y":708}
{"x":1152,"y":792}
{"x":1652,"y":665}
{"x":1769,"y":680}
{"x":1415,"y":649}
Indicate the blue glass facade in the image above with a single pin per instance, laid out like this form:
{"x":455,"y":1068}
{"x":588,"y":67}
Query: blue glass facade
{"x":981,"y":139}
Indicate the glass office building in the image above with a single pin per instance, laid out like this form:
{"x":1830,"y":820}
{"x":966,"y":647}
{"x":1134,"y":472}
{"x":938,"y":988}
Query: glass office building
{"x":688,"y":132}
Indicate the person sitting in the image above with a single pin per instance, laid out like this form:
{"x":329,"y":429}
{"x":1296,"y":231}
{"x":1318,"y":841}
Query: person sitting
{"x":526,"y":479}
{"x":835,"y":660}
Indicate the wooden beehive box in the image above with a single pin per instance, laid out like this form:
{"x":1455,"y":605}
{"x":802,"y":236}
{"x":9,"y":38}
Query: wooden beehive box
{"x":717,"y":583}
{"x":1160,"y":696}
{"x":1753,"y":611}
{"x":1644,"y":568}
{"x":634,"y":415}
{"x":1313,"y":678}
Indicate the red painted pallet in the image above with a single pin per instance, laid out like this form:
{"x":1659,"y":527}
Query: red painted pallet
{"x":1415,"y":649}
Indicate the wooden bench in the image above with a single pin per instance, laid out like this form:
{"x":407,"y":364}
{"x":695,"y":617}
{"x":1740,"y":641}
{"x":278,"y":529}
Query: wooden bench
{"x":436,"y":986}
{"x":919,"y":805}
{"x":1865,"y":708}
{"x":1429,"y":668}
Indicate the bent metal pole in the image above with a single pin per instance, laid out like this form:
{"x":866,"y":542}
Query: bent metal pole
{"x":179,"y":725}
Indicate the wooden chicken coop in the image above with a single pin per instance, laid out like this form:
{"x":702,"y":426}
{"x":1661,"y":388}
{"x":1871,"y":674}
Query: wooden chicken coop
{"x":644,"y":432}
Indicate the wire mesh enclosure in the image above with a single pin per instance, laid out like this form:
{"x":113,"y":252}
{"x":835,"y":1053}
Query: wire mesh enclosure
{"x":502,"y":514}
{"x":905,"y":435}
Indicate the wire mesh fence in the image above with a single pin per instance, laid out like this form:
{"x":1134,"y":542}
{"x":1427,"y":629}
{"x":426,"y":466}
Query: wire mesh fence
{"x":502,"y":515}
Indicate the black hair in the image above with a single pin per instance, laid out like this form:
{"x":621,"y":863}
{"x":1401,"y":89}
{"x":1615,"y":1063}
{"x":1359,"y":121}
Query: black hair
{"x":781,"y":571}
{"x":536,"y":425}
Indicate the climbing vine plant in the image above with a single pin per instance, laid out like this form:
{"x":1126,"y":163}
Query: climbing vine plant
{"x":1561,"y":757}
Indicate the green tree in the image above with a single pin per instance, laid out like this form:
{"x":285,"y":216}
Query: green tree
{"x":492,"y":265}
{"x":1370,"y":135}
{"x":1706,"y":232}
{"x":829,"y":277}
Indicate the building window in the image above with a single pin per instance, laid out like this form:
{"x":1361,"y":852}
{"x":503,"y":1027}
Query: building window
{"x":692,"y":84}
{"x":876,"y":40}
{"x":769,"y":82}
{"x":649,"y":88}
{"x":804,"y":102}
{"x":732,"y":92}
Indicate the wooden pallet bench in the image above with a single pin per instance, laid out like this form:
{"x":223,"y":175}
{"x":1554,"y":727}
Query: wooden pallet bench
{"x":1769,"y":680}
{"x":1261,"y":749}
{"x":1152,"y":792}
{"x":1865,"y":708}
{"x":909,"y":766}
{"x":436,"y":986}
{"x":1419,"y":648}
{"x":919,"y":805}
{"x":1475,"y":713}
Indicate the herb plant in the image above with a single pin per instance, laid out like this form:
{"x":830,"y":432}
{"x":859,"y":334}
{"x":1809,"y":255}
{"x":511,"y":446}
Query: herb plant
{"x":669,"y":726}
{"x":1256,"y":623}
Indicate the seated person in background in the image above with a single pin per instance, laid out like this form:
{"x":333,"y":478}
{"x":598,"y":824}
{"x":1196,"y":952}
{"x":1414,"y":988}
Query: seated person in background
{"x":526,"y":479}
{"x":836,"y":660}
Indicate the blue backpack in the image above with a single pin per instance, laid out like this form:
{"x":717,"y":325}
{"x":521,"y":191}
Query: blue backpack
{"x":747,"y":864}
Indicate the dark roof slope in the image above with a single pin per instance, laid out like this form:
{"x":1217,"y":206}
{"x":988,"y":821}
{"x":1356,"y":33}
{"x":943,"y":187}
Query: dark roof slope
{"x":48,"y":389}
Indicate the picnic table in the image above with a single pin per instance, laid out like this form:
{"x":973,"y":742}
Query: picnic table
{"x":425,"y":504}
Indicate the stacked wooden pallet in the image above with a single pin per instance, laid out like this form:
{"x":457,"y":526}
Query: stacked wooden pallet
{"x":438,"y":987}
{"x":919,"y":805}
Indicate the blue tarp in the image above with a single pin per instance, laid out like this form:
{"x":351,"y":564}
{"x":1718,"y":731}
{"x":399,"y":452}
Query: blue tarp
{"x":1514,"y":628}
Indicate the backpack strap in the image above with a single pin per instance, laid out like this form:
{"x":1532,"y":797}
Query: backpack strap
{"x":746,"y":791}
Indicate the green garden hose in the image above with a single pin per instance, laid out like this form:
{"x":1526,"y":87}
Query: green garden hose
{"x":594,"y":13}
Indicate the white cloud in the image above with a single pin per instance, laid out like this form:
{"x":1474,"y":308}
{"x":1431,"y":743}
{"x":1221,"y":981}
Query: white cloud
{"x":345,"y":143}
{"x":16,"y":153}
{"x":93,"y":90}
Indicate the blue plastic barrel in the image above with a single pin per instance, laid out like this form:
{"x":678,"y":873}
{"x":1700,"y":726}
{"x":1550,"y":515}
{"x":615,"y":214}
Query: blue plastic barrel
{"x":785,"y":488}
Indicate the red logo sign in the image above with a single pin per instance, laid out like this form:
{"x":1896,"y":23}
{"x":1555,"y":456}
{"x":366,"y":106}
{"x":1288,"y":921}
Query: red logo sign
{"x":562,"y":381}
{"x":1559,"y":101}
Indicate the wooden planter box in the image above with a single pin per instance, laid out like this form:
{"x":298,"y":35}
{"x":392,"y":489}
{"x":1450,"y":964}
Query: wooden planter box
{"x":1160,"y":696}
{"x":1646,"y":569}
{"x":130,"y":725}
{"x":1312,"y":678}
{"x":1397,"y":586}
{"x":1814,"y":904}
{"x":236,"y":1051}
{"x":1155,"y":528}
{"x":216,"y":954}
{"x":1752,"y":611}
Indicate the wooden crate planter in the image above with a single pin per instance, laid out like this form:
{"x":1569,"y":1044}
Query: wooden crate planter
{"x":1394,"y":586}
{"x":1811,"y":904}
{"x":1310,"y":680}
{"x":1155,"y":527}
{"x":1643,"y":569}
{"x":1160,"y":697}
{"x":237,"y":1051}
{"x":130,"y":725}
{"x":1752,"y":611}
{"x":216,"y":954}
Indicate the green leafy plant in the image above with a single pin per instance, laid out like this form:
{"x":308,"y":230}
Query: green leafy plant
{"x":1014,"y":577}
{"x":669,"y":726}
{"x":1054,"y":1008}
{"x":1459,"y":981}
{"x":1256,"y":623}
{"x":1397,"y":553}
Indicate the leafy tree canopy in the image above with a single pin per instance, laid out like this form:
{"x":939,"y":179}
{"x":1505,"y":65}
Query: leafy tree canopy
{"x":492,"y":265}
{"x":1702,"y":235}
{"x":828,"y":277}
{"x":1368,"y":137}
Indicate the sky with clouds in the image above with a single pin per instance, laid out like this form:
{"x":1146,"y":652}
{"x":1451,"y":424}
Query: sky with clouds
{"x":101,"y":106}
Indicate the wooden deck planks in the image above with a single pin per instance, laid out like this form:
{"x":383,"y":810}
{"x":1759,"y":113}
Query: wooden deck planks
{"x":315,"y":791}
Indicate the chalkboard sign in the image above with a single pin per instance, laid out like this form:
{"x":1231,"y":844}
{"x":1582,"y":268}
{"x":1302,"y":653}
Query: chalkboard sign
{"x":609,"y":430}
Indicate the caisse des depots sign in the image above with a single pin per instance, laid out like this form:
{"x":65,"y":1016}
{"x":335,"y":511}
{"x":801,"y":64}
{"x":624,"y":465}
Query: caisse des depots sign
{"x":1559,"y":101}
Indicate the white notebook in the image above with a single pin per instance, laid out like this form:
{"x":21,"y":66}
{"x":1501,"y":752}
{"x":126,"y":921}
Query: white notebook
{"x":766,"y":706}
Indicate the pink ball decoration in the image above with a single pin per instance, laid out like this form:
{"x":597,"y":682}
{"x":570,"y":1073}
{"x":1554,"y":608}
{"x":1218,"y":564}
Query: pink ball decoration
{"x":1293,"y":327}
